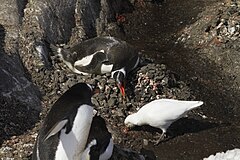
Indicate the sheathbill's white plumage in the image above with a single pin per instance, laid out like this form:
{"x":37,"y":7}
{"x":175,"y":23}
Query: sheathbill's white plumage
{"x":161,"y":113}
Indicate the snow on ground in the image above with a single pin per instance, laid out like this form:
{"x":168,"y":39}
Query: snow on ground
{"x":229,"y":155}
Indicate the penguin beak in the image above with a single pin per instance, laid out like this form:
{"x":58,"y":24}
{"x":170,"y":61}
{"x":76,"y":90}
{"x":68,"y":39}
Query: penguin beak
{"x":121,"y":87}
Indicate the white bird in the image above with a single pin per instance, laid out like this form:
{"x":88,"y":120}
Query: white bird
{"x":161,"y":114}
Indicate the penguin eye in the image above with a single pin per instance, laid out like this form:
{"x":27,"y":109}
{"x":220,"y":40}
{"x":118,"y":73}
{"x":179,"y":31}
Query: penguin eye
{"x":115,"y":74}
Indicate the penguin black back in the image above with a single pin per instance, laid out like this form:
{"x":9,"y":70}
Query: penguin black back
{"x":68,"y":103}
{"x":93,"y":55}
{"x":100,"y":133}
{"x":64,"y":110}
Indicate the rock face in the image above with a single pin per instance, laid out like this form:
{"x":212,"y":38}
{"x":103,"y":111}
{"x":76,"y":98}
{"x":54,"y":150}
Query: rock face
{"x":20,"y":99}
{"x":30,"y":79}
{"x":10,"y":19}
{"x":65,"y":22}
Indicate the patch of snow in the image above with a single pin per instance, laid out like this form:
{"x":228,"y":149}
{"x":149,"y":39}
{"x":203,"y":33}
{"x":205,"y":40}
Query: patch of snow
{"x":228,"y":155}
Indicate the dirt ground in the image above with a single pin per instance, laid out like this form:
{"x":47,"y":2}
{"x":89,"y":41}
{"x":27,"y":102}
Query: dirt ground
{"x":156,"y":31}
{"x":170,"y":33}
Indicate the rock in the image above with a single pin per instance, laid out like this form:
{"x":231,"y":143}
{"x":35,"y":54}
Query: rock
{"x":11,"y":13}
{"x":20,"y":101}
{"x":111,"y":102}
{"x":125,"y":154}
{"x":101,"y":96}
{"x":145,"y":142}
{"x":15,"y":85}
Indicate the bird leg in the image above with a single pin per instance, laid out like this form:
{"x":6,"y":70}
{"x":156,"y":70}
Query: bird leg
{"x":163,"y":137}
{"x":160,"y":139}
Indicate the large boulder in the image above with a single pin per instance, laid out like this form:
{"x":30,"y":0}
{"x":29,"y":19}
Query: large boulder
{"x":20,"y":99}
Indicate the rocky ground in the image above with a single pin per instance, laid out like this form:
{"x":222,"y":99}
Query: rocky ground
{"x":188,"y":46}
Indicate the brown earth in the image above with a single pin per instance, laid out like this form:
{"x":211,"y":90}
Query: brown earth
{"x":212,"y":77}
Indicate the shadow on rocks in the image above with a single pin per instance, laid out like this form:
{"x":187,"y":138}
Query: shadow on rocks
{"x":2,"y":35}
{"x":19,"y":98}
{"x":180,"y":127}
{"x":190,"y":125}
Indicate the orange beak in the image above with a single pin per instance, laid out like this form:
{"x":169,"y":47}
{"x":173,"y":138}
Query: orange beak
{"x":122,"y":89}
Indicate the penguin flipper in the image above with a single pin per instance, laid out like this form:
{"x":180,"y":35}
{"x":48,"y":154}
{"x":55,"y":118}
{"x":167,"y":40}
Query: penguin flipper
{"x":56,"y":128}
{"x":92,"y":62}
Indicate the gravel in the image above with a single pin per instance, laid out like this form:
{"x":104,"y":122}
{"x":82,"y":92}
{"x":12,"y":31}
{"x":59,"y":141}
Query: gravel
{"x":144,"y":84}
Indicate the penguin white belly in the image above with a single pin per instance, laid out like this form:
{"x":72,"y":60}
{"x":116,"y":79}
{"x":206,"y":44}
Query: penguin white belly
{"x":106,"y":68}
{"x":84,"y":61}
{"x":72,"y":145}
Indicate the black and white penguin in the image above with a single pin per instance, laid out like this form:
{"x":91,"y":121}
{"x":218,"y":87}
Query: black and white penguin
{"x":100,"y":144}
{"x":65,"y":131}
{"x":101,"y":55}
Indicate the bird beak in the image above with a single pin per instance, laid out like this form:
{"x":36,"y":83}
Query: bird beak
{"x":96,"y":90}
{"x":122,"y":89}
{"x":129,"y":126}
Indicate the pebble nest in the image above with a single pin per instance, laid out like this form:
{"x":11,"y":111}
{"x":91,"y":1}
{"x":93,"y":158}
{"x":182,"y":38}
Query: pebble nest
{"x":144,"y":84}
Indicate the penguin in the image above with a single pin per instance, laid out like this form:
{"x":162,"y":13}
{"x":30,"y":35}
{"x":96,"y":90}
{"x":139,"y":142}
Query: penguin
{"x":161,"y":114}
{"x":65,"y":130}
{"x":101,"y":55}
{"x":99,"y":144}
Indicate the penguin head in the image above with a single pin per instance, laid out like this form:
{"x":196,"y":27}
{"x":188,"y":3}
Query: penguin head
{"x":81,"y":91}
{"x":119,"y":77}
{"x":100,"y":139}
